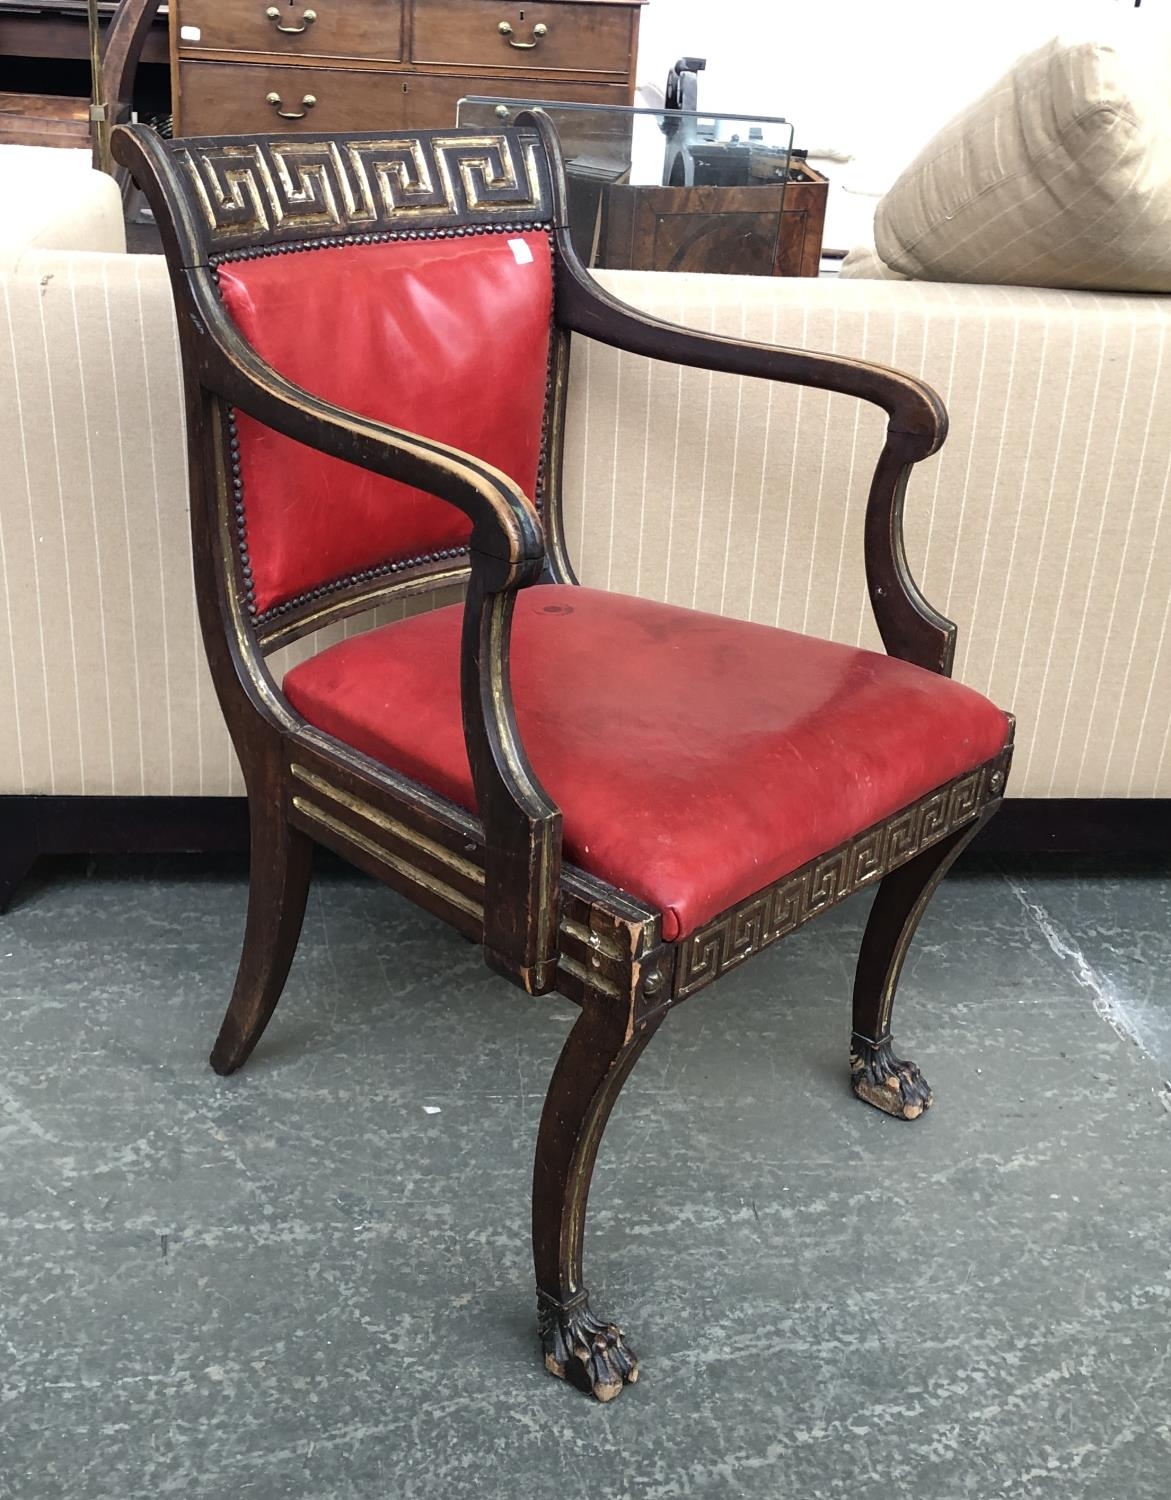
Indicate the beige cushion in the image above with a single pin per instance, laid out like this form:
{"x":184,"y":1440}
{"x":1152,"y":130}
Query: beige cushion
{"x":1060,"y":175}
{"x":54,"y":200}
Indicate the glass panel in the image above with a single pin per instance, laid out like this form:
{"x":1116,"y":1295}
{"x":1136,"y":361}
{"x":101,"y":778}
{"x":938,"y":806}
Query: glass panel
{"x":637,"y":181}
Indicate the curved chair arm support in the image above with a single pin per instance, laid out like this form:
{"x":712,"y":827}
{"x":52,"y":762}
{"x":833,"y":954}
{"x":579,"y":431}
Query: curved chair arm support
{"x":522,"y":825}
{"x":911,"y":628}
{"x":917,"y":425}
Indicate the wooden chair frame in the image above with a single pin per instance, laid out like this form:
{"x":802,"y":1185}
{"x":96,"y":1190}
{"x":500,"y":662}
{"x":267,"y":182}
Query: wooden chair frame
{"x":114,"y":65}
{"x":499,"y":877}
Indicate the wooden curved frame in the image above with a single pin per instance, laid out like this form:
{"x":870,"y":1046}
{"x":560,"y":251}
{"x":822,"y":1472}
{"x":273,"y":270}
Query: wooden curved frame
{"x":121,"y":51}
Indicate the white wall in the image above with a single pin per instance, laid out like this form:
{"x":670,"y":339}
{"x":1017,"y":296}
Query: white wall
{"x":873,"y":78}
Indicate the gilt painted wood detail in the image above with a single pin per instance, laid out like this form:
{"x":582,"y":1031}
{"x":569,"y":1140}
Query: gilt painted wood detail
{"x":257,"y":189}
{"x":774,"y":912}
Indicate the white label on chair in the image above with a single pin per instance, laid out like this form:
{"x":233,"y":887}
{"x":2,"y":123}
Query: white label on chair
{"x":190,"y":34}
{"x":524,"y":256}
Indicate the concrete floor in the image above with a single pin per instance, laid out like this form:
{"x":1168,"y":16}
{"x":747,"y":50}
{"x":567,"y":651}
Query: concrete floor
{"x":312,"y":1280}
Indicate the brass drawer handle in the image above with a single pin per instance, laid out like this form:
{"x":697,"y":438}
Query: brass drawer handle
{"x":275,"y":100}
{"x":539,"y":30}
{"x":274,"y":15}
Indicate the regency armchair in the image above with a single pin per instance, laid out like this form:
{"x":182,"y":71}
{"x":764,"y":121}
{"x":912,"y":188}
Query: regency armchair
{"x":618,"y":799}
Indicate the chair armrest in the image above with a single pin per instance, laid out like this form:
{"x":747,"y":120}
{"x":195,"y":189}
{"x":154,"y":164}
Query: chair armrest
{"x":522,"y":825}
{"x":913,"y":408}
{"x":917,"y":425}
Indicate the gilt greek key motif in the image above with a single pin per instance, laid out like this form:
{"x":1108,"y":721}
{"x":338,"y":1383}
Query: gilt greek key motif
{"x":251,"y":189}
{"x":773,"y":913}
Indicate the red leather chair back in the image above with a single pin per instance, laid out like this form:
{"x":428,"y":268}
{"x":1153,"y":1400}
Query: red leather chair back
{"x":446,"y":335}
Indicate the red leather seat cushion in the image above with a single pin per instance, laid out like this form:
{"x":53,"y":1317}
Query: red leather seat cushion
{"x":444,"y":337}
{"x":695,"y":759}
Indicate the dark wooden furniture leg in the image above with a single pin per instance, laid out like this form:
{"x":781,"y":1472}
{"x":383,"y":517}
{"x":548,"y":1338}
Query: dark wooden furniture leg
{"x":594,"y":1064}
{"x":877,"y":1076}
{"x":282,"y":859}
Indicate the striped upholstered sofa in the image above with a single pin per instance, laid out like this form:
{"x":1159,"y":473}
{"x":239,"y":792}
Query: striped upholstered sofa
{"x":1043,"y":528}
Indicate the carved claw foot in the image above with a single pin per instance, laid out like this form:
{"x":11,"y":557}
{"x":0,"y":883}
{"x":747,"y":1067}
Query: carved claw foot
{"x":589,"y":1353}
{"x":884,"y":1080}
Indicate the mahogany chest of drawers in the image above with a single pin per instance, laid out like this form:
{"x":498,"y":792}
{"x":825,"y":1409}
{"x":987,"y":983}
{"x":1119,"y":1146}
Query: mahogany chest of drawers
{"x":241,"y":66}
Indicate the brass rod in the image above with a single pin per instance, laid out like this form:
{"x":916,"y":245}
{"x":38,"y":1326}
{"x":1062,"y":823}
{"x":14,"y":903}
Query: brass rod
{"x":98,"y":114}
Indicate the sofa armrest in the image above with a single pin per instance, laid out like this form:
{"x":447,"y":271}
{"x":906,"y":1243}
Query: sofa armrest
{"x":101,"y":690}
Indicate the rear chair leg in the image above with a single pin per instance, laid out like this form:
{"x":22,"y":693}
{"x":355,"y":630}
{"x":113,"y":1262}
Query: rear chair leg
{"x":876,"y":1074}
{"x":594,"y":1064}
{"x":278,"y":888}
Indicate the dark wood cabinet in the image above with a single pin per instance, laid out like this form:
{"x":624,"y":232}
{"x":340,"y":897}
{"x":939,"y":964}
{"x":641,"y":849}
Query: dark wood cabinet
{"x":747,"y":231}
{"x":560,"y":36}
{"x":352,"y":30}
{"x":336,"y":65}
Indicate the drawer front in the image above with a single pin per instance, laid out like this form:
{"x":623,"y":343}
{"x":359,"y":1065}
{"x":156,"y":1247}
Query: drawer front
{"x":234,"y":98}
{"x":368,"y":29}
{"x":431,"y":99}
{"x":542,"y":38}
